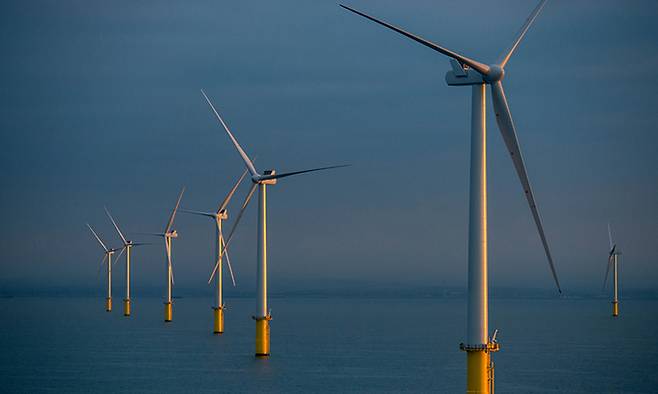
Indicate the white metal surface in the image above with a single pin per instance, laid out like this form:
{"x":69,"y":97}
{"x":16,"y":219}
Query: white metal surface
{"x":477,"y":309}
{"x":261,"y":265}
{"x":109,"y":274}
{"x":615,"y":278}
{"x":128,"y":247}
{"x":218,"y":256}
{"x":169,"y":273}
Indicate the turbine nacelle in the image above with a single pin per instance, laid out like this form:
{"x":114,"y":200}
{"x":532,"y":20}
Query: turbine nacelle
{"x":463,"y":75}
{"x":172,"y":234}
{"x":222,"y":215}
{"x":266,"y":174}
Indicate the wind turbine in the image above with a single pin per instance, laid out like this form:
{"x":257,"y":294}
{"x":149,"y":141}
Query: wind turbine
{"x":127,"y":246}
{"x":268,"y":177}
{"x":218,"y":217}
{"x":612,"y":261}
{"x":169,"y":234}
{"x":107,"y":255}
{"x":469,"y":72}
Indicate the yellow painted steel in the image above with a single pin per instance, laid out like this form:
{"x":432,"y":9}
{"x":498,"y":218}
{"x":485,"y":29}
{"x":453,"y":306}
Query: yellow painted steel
{"x":615,"y":308}
{"x":480,"y":367}
{"x":126,"y":307}
{"x":477,"y":368}
{"x":168,"y":312}
{"x":218,"y":321}
{"x":108,"y":304}
{"x":263,"y":336}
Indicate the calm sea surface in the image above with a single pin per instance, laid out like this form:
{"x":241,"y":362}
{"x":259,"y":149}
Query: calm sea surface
{"x":71,"y":345}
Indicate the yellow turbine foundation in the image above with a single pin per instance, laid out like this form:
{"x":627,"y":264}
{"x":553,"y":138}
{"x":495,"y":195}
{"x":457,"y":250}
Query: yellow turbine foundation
{"x":218,"y":320}
{"x":167,"y":312}
{"x":615,"y":308}
{"x":126,"y":307}
{"x":477,"y":363}
{"x":108,"y":304}
{"x":263,"y":336}
{"x":479,"y":368}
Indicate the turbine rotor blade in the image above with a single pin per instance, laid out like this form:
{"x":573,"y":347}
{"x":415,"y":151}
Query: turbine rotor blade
{"x":214,"y":270}
{"x":170,"y":266}
{"x":229,"y":196}
{"x":286,"y":174}
{"x":154,"y":234}
{"x":228,"y":262}
{"x":507,"y":130}
{"x":200,"y":213}
{"x":116,"y":226}
{"x":98,"y":238}
{"x":519,"y":36}
{"x":241,"y":151}
{"x":120,"y":254}
{"x":612,"y":245}
{"x":607,"y":270}
{"x":239,"y":217}
{"x":477,"y":66}
{"x":101,"y":264}
{"x":173,"y":213}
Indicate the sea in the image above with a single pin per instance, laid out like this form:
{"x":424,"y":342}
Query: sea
{"x":333,"y":344}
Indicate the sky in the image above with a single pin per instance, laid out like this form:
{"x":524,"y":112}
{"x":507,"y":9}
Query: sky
{"x":100,"y":105}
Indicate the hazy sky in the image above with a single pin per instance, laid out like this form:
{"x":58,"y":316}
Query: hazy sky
{"x":100,"y":104}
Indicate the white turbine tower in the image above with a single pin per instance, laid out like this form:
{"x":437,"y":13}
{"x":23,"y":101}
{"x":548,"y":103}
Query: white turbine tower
{"x":469,"y":72}
{"x":218,"y":217}
{"x":107,"y":255}
{"x":268,"y":177}
{"x":168,"y":235}
{"x":127,"y":246}
{"x":613,"y":261}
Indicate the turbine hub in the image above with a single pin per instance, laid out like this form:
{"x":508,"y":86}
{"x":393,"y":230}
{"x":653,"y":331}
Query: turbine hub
{"x":496,"y":73}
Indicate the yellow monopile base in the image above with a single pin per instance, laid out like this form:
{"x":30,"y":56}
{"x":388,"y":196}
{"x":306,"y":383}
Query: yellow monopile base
{"x":218,"y":320}
{"x":477,"y":376}
{"x":126,"y":307}
{"x":263,"y":336}
{"x":168,"y":312}
{"x":615,"y":308}
{"x":479,"y":367}
{"x":108,"y":304}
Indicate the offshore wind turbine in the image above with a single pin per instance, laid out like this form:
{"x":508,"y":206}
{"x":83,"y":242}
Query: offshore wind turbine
{"x":260,"y":181}
{"x":127,"y":246}
{"x":218,"y":217}
{"x":469,"y":72}
{"x":168,"y":235}
{"x":107,"y":255}
{"x":613,"y":259}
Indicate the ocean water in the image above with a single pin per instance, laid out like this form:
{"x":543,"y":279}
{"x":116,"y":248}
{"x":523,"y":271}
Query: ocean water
{"x":71,"y":345}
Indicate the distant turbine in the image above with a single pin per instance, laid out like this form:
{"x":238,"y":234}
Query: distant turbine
{"x":269,"y":177}
{"x":469,"y":72}
{"x":612,"y":261}
{"x":107,"y":255}
{"x":168,"y":236}
{"x":218,"y":217}
{"x":127,"y":246}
